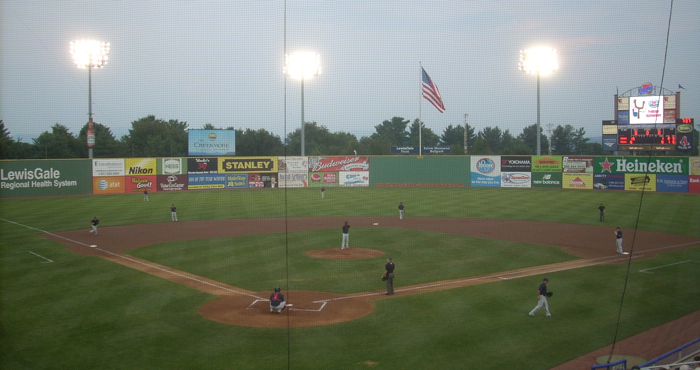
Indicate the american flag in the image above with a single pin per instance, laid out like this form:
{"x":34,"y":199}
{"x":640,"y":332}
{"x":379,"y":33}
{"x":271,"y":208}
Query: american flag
{"x":431,"y":92}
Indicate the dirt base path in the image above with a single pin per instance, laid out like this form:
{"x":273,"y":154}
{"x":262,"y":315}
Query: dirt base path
{"x":236,"y":306}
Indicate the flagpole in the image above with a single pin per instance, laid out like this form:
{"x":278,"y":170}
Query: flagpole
{"x":420,"y":104}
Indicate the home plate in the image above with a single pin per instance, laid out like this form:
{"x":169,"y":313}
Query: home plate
{"x":376,"y":224}
{"x":93,"y":246}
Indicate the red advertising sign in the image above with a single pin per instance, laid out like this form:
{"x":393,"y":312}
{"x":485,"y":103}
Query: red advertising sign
{"x":137,"y":184}
{"x":175,"y":182}
{"x":335,"y":164}
{"x":694,"y":184}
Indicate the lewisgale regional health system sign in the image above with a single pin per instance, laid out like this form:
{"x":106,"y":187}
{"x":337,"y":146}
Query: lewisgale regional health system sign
{"x":49,"y":177}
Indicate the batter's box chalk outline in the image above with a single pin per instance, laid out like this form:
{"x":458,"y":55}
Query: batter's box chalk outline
{"x":289,"y":306}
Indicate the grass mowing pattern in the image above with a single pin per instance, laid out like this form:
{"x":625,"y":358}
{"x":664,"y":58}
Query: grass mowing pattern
{"x":251,"y":262}
{"x":84,"y":312}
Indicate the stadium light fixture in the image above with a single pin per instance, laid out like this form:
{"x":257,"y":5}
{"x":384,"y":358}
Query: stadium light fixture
{"x":90,"y":54}
{"x":540,"y":61}
{"x":301,"y":66}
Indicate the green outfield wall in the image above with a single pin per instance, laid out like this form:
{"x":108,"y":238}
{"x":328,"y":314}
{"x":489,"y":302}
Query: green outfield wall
{"x":35,"y":178}
{"x":28,"y":178}
{"x":414,"y":171}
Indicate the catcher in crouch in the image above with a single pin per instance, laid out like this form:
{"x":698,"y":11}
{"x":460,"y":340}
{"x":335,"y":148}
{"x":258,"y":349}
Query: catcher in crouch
{"x":277,"y":302}
{"x":542,"y":295}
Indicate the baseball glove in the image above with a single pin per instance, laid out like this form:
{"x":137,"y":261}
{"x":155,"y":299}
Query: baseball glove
{"x":549,"y":294}
{"x":383,"y":278}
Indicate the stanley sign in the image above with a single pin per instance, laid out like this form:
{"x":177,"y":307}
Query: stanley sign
{"x":248,"y":165}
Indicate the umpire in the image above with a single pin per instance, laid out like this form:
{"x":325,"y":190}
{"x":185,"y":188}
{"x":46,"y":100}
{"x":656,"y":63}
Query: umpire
{"x":389,"y":276}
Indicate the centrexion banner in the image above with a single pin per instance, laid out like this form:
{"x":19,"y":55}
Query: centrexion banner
{"x":45,"y":177}
{"x":247,"y":164}
{"x":657,"y":165}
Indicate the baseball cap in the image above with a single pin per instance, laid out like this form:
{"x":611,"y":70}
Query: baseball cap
{"x":545,"y":279}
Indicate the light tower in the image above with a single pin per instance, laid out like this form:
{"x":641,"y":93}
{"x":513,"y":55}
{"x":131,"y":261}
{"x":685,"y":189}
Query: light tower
{"x":89,"y":54}
{"x":301,"y":66}
{"x":541,"y":61}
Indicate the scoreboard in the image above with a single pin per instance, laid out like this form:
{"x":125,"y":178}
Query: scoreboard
{"x":647,"y":137}
{"x":650,"y":137}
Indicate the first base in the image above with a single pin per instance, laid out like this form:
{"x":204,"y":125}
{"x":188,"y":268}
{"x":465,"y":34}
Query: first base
{"x":93,"y":246}
{"x":625,"y":252}
{"x":376,"y":224}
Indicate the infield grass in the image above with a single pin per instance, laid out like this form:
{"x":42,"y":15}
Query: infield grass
{"x":81,"y":312}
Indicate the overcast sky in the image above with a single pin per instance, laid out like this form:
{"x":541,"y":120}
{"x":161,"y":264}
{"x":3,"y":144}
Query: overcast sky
{"x":221,"y":62}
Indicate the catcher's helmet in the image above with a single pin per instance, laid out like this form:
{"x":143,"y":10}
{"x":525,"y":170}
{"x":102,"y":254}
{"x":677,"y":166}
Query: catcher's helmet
{"x":277,"y":289}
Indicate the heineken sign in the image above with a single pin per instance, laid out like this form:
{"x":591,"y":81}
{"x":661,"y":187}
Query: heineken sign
{"x":664,"y":165}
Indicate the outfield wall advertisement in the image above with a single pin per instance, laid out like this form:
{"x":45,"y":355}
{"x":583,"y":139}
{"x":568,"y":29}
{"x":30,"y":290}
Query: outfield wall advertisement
{"x":22,"y":178}
{"x":546,"y":180}
{"x":173,"y":182}
{"x":486,"y":171}
{"x":45,"y":177}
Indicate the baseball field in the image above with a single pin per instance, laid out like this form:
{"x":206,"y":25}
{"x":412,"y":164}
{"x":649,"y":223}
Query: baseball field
{"x":149,"y":293}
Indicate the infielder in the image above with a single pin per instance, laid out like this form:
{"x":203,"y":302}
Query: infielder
{"x":542,"y":298}
{"x":173,"y":212}
{"x":277,"y":302}
{"x":401,"y":209}
{"x":618,"y":240}
{"x":94,"y":223}
{"x":345,"y":244}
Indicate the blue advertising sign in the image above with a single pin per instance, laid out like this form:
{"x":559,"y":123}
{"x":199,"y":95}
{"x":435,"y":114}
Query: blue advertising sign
{"x":672,"y":183}
{"x":623,"y":117}
{"x":236,"y":181}
{"x":213,"y":181}
{"x":609,"y":181}
{"x":485,"y":171}
{"x":610,"y":142}
{"x":211,"y":142}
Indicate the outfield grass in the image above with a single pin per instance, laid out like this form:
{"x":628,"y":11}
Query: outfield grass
{"x":81,"y":312}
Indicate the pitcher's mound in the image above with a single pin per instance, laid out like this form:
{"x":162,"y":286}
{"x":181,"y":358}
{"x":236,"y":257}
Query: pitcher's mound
{"x":344,"y":254}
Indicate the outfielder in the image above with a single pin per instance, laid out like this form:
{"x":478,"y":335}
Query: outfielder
{"x":542,"y":298}
{"x":173,"y":212}
{"x":401,"y":209}
{"x":94,"y":223}
{"x":277,"y":302}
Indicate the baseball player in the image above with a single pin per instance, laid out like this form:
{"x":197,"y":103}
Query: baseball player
{"x":542,"y":298}
{"x":323,"y":192}
{"x":601,"y":210}
{"x":94,"y":223}
{"x":145,"y":195}
{"x":401,"y":209}
{"x":345,"y":244}
{"x":277,"y":302}
{"x":618,"y":240}
{"x":173,"y":212}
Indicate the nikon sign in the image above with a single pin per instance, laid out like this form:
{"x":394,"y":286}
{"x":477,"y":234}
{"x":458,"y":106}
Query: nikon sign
{"x":657,"y":165}
{"x":45,"y":177}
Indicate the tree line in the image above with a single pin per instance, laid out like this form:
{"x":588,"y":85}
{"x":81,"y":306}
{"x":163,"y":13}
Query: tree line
{"x":153,"y":137}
